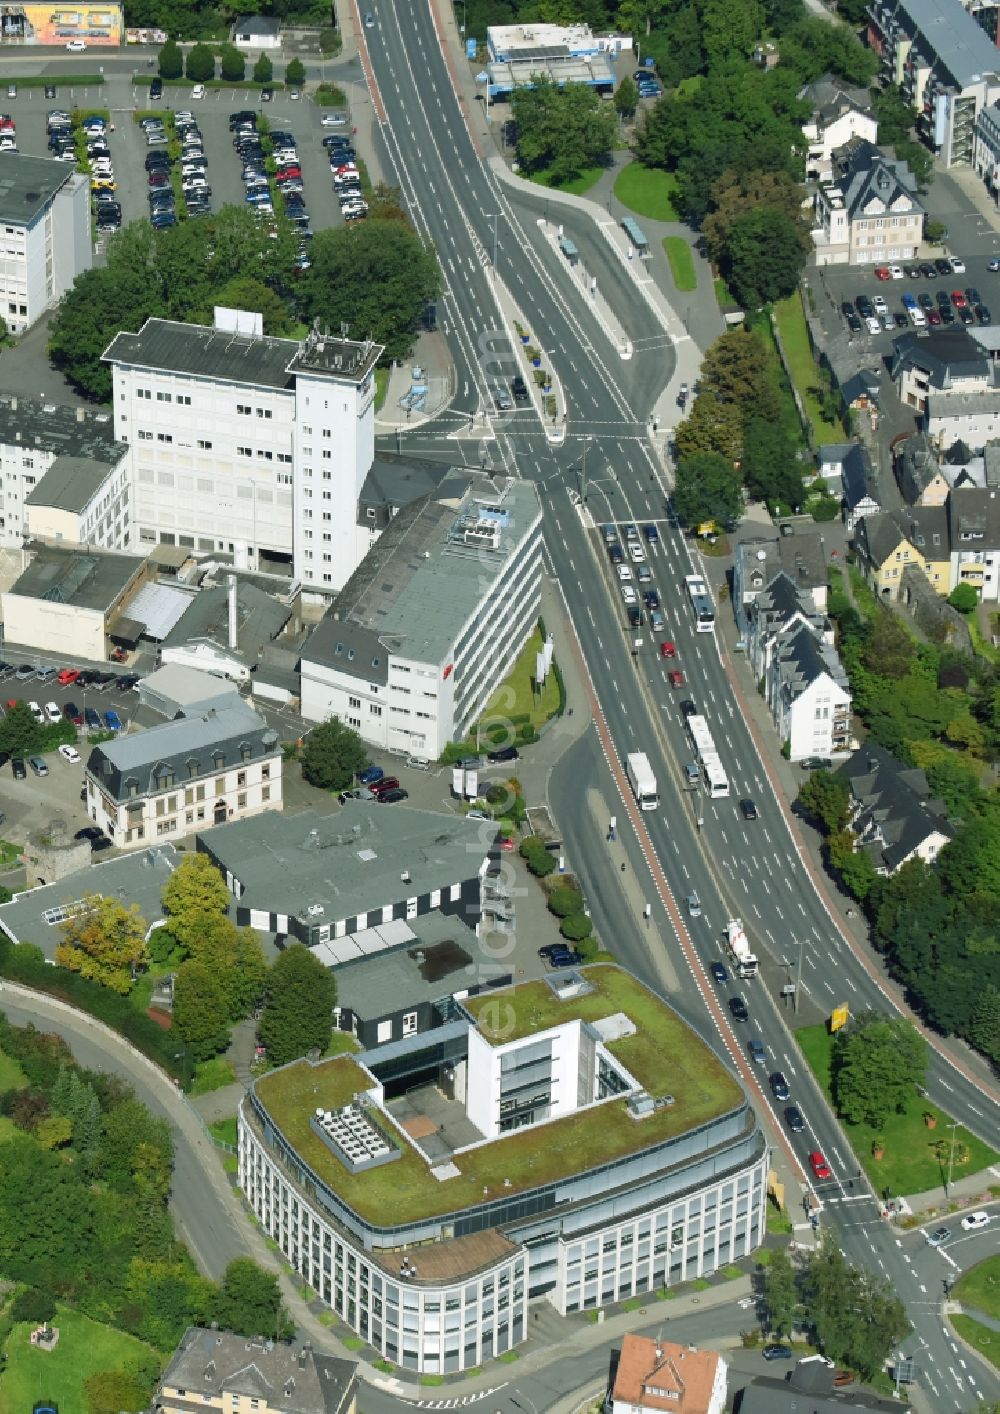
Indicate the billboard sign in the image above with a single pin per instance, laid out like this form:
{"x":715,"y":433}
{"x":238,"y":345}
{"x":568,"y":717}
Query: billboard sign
{"x":99,"y":26}
{"x":839,"y":1017}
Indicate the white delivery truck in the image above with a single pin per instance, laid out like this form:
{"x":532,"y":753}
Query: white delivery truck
{"x":744,"y":961}
{"x":642,"y":780}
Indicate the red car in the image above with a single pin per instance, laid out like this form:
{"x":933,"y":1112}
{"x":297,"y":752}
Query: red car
{"x":819,"y":1165}
{"x":158,"y":179}
{"x":287,"y":173}
{"x":386,"y":783}
{"x":882,"y":272}
{"x":958,"y":299}
{"x":67,"y":675}
{"x":676,"y":678}
{"x":667,"y":650}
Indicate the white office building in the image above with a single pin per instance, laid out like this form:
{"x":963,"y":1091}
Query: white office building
{"x":249,"y":446}
{"x":433,"y":619}
{"x":45,"y":220}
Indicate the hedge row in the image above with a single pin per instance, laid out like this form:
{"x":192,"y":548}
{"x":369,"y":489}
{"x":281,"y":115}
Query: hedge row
{"x":25,"y":963}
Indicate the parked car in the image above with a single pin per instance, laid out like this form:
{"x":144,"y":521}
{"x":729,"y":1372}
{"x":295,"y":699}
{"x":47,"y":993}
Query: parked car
{"x":37,"y":713}
{"x":53,"y":712}
{"x":370,"y":775}
{"x":92,"y":718}
{"x":504,"y":753}
{"x":386,"y":783}
{"x":390,"y":797}
{"x":73,"y":714}
{"x":70,"y":754}
{"x":361,"y":793}
{"x":112,"y":721}
{"x":777,"y":1352}
{"x":18,"y":768}
{"x":38,"y":765}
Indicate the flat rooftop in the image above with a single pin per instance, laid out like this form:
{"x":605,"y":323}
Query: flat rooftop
{"x":70,"y":484}
{"x":28,"y":184}
{"x":31,"y":423}
{"x":203,"y":352}
{"x":85,"y":579}
{"x":664,"y":1056}
{"x":347,"y":359}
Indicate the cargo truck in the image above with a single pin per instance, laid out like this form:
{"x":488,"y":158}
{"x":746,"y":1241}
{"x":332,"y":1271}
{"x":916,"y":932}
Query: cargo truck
{"x":744,"y":961}
{"x":642,"y":780}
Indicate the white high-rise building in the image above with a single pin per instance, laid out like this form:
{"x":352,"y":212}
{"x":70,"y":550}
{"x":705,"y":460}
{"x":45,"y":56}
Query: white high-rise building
{"x":248,"y":445}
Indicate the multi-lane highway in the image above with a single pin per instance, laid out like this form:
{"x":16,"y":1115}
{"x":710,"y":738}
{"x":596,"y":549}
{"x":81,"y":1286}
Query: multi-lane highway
{"x":753,"y":869}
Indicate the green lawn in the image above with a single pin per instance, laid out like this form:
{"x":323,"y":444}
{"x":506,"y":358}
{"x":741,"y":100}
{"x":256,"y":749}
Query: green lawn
{"x":579,"y":186}
{"x":681,"y":263}
{"x":212,"y":1075}
{"x":724,"y":294}
{"x":342,"y":1043}
{"x":12,"y":1077}
{"x":514,"y":698}
{"x":980,"y":1287}
{"x":58,"y":1375}
{"x":910,"y":1164}
{"x":791,"y":323}
{"x":9,"y":853}
{"x":224,"y":1130}
{"x":381,"y":387}
{"x":648,"y":191}
{"x":980,"y":1337}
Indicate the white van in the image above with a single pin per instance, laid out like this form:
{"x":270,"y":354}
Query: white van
{"x":917,"y":318}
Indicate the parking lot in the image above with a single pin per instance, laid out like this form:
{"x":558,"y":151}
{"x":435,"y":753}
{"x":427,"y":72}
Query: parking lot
{"x":128,"y":148}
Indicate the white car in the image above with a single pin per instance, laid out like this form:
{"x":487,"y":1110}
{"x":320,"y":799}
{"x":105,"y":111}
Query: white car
{"x":896,"y":271}
{"x":624,"y":572}
{"x":629,"y":595}
{"x":636,"y":552}
{"x":973,"y":1221}
{"x":52,"y":712}
{"x":873,"y":325}
{"x":879,"y":305}
{"x":198,"y":91}
{"x":70,"y":754}
{"x":37,"y":713}
{"x":76,"y":46}
{"x":957,"y":264}
{"x":333,"y":120}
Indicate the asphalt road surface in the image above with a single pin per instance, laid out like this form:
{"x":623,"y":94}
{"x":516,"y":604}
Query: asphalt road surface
{"x":750,"y":869}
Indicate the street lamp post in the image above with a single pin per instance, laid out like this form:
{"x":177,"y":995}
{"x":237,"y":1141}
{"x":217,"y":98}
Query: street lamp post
{"x":583,"y":470}
{"x":951,"y":1157}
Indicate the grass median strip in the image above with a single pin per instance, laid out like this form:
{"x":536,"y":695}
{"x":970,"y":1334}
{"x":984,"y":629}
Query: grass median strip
{"x":681,"y":263}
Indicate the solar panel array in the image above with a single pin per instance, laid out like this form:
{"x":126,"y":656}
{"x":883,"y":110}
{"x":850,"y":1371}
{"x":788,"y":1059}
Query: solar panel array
{"x":369,"y":941}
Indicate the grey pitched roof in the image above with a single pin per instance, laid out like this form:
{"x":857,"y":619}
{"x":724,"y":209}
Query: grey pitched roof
{"x":179,"y":751}
{"x":259,"y":619}
{"x":803,"y":658}
{"x":916,"y":466}
{"x":781,"y":600}
{"x":218,"y":1366}
{"x":943,"y":354}
{"x":831,"y":97}
{"x":69,"y":484}
{"x":951,"y":36}
{"x":867,"y":178}
{"x":769,"y":1396}
{"x":941,"y":406}
{"x":256,"y":24}
{"x":895,"y":811}
{"x":860,"y":480}
{"x":925,"y":527}
{"x":974,"y":518}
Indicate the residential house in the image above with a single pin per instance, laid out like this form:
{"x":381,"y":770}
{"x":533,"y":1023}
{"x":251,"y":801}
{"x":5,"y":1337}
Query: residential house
{"x":952,"y":382}
{"x":867,"y":212}
{"x":945,"y":64}
{"x":257,"y":32}
{"x":790,"y":649}
{"x":800,"y":555}
{"x":974,"y":526}
{"x":839,"y":112}
{"x":659,"y":1374}
{"x":221,"y":764}
{"x":215,"y":1370}
{"x":921,"y":478}
{"x":886,"y":544}
{"x":893,"y":814}
{"x":847,"y":468}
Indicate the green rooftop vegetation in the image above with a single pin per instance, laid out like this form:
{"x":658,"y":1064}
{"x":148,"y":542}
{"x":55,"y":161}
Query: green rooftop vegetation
{"x":664,"y":1056}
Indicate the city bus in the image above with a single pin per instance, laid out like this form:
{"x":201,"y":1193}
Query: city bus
{"x":715,"y":778}
{"x":701,"y":603}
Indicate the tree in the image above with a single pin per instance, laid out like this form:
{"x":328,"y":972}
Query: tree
{"x":200,"y":64}
{"x":878,"y":1062}
{"x":245,"y":986}
{"x":576,"y":927}
{"x":249,"y":1302}
{"x":764,"y":257}
{"x":295,"y":73}
{"x":771,"y":468}
{"x":385,"y":203}
{"x":170,"y":64}
{"x":201,"y":1011}
{"x":34,"y":1305}
{"x":713,"y":427}
{"x":54,"y":1132}
{"x":194,"y":889}
{"x":263,"y":70}
{"x":18,"y":730}
{"x":128,"y":1132}
{"x":826,"y":798}
{"x":626,"y":97}
{"x":564,"y":900}
{"x":984,"y":1025}
{"x":104,"y":940}
{"x":890,"y":649}
{"x":964,"y":598}
{"x":707,"y":488}
{"x":232,"y":64}
{"x":779,"y":1292}
{"x":738,"y":194}
{"x":333,"y":755}
{"x":856,"y":870}
{"x":375,"y":277}
{"x":561,"y":129}
{"x":856,"y":1317}
{"x":732,"y":28}
{"x":738,"y":370}
{"x":895,"y":117}
{"x":298,"y":1014}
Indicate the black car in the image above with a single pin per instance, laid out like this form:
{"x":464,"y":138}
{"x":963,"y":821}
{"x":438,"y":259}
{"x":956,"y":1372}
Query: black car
{"x":156,"y":88}
{"x":688,"y":708}
{"x":73,"y":714}
{"x":794,"y":1120}
{"x":19,"y":769}
{"x":720,"y":974}
{"x":816,"y":763}
{"x":739,"y":1009}
{"x":389,"y":797}
{"x":86,"y":677}
{"x":973,"y":295}
{"x":864,"y":306}
{"x":925,"y":301}
{"x":635,"y":618}
{"x":941,"y":266}
{"x":930,"y":271}
{"x":748,"y":810}
{"x":157,"y":162}
{"x":504,"y":753}
{"x":947,"y":315}
{"x":519,"y":389}
{"x":651,"y":599}
{"x":944,"y":299}
{"x":983,"y":314}
{"x":266,"y":94}
{"x":854,"y":323}
{"x":847,"y":309}
{"x":616,"y":554}
{"x":245,"y":115}
{"x":900,"y":320}
{"x":779,"y":1086}
{"x":966,"y":315}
